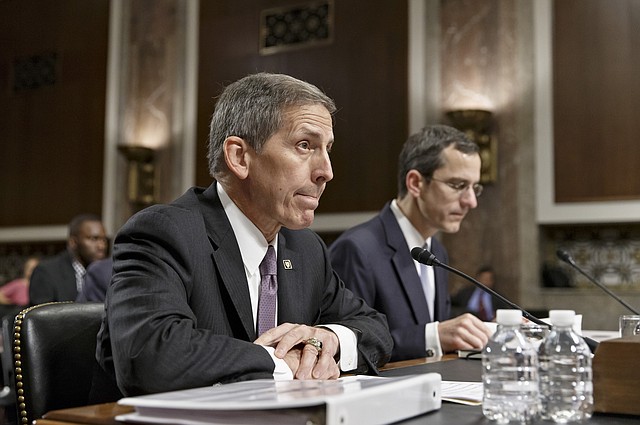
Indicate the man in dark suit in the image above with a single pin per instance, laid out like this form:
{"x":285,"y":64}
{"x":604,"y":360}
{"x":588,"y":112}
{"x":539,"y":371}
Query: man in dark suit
{"x":188,"y":300}
{"x":439,"y":171}
{"x":60,"y":277}
{"x":471,"y":299}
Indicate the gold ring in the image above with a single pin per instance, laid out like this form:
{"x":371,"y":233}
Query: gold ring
{"x":316,"y":343}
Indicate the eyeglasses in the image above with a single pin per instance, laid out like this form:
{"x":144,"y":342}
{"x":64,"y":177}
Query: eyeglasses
{"x":461,"y":186}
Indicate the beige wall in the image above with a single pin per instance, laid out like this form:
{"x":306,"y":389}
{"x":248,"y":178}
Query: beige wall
{"x":487,"y":63}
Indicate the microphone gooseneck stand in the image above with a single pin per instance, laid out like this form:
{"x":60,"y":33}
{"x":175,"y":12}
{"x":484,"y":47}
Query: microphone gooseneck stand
{"x":566,"y":257}
{"x":425,"y":256}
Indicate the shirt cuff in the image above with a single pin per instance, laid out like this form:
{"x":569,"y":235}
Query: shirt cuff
{"x":281,"y":371}
{"x":348,"y":347}
{"x":432,"y":340}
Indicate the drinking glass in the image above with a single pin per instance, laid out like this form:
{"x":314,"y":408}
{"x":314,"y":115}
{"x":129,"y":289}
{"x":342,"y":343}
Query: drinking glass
{"x":629,"y":325}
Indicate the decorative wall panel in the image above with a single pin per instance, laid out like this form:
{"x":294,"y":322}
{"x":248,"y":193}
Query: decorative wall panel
{"x":296,"y":27}
{"x":610,"y":254}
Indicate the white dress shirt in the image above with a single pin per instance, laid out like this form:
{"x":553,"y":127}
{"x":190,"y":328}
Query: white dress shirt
{"x":414,"y":238}
{"x":253,"y":247}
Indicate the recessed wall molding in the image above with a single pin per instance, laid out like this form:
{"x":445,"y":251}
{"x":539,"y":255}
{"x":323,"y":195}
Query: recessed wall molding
{"x":549,"y":211}
{"x":295,"y":27}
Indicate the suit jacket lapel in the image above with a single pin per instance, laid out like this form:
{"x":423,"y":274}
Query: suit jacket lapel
{"x":289,"y":283}
{"x":227,"y":258}
{"x":404,"y":266}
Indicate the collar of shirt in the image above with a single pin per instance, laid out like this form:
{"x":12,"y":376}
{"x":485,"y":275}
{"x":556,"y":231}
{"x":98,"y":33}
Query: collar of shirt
{"x":253,"y":246}
{"x":78,"y":267}
{"x":80,"y":271}
{"x":410,"y":233}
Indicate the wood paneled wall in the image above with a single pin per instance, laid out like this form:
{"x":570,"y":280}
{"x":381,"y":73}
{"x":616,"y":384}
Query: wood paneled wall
{"x":52,"y":133}
{"x":364,"y":70}
{"x":596,"y":96}
{"x":53,"y":59}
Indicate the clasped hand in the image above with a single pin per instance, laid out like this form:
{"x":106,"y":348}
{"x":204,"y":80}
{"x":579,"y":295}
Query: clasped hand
{"x":303,"y":359}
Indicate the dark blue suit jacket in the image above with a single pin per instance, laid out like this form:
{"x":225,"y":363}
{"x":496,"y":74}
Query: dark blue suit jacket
{"x":374,"y":261}
{"x":96,"y":281}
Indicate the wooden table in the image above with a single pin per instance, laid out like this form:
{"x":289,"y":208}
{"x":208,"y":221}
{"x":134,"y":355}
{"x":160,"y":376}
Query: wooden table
{"x":101,"y":414}
{"x":450,"y":367}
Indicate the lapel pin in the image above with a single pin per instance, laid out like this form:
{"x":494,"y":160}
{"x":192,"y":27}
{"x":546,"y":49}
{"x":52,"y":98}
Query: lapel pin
{"x":287,"y":264}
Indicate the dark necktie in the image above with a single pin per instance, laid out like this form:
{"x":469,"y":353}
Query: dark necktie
{"x":268,"y":292}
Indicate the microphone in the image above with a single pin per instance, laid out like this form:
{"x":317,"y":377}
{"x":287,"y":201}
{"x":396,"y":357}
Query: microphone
{"x":425,"y":256}
{"x":566,"y":257}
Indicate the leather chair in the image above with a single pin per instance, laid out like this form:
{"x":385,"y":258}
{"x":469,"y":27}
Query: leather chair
{"x":8,"y":393}
{"x":54,"y":359}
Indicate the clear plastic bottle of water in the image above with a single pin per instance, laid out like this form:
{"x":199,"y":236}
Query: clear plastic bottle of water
{"x":510,"y":373}
{"x":566,"y":388}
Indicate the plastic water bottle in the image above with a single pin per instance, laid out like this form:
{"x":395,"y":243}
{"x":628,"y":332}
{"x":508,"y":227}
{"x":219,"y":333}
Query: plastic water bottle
{"x":510,"y":373}
{"x":566,"y":388}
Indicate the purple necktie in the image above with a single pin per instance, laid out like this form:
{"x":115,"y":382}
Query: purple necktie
{"x":268,"y":292}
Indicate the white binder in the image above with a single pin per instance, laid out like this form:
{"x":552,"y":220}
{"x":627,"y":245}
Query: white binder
{"x":350,"y":400}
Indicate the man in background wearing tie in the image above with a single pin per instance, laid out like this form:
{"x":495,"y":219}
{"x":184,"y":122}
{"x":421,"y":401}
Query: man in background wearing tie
{"x":438,"y":175}
{"x":476,"y":301}
{"x":227,"y":283}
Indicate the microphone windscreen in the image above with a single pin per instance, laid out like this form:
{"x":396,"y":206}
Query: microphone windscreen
{"x":424,"y":256}
{"x":564,"y":256}
{"x":415,"y":253}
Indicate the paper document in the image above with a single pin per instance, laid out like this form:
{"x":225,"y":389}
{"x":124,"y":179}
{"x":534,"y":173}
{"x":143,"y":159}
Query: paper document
{"x":349,"y":400}
{"x":460,"y":392}
{"x":470,"y":354}
{"x":600,"y":336}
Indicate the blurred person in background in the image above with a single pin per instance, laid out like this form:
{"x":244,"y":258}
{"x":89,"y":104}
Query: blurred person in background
{"x":16,"y":292}
{"x":471,"y":299}
{"x":60,"y":278}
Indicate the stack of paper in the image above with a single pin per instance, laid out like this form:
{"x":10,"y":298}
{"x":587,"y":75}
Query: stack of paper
{"x":462,"y":392}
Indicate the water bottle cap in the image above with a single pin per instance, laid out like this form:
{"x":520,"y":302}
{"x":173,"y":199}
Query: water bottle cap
{"x":508,"y":317}
{"x":562,"y":317}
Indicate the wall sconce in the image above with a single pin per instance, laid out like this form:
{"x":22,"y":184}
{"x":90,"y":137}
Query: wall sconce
{"x":141,"y":175}
{"x":477,"y":124}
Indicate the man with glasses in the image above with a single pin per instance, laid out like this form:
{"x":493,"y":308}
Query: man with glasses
{"x":438,"y":175}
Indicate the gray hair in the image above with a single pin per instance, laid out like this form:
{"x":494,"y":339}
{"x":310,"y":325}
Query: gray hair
{"x":423,"y":151}
{"x":252,"y":108}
